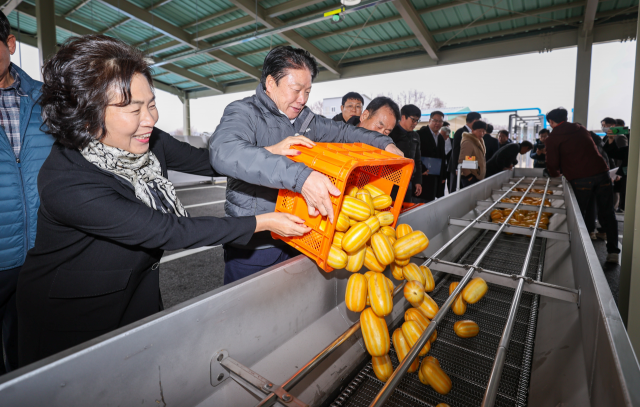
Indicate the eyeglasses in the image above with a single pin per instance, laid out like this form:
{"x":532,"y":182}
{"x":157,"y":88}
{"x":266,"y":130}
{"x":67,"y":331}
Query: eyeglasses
{"x":414,"y":119}
{"x":437,"y":121}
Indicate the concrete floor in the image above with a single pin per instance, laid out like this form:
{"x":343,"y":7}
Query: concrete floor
{"x":199,"y":272}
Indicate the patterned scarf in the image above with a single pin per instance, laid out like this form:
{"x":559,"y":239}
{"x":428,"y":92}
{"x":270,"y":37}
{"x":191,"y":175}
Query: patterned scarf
{"x":143,"y":171}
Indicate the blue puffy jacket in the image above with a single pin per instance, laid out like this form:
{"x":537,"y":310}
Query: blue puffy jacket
{"x":19,"y":200}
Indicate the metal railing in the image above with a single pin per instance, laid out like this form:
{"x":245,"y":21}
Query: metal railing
{"x":403,"y":367}
{"x":326,"y":352}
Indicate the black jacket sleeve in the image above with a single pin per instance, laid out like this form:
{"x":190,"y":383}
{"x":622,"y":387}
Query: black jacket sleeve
{"x":101,"y":211}
{"x":184,"y":157}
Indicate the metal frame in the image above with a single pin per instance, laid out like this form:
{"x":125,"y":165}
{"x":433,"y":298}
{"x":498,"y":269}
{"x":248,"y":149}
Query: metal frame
{"x":394,"y":380}
{"x":510,"y":281}
{"x":504,"y":205}
{"x":501,"y":354}
{"x":518,"y":230}
{"x":168,"y":355}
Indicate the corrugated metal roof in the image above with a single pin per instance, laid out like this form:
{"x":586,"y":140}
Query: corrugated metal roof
{"x":370,"y":34}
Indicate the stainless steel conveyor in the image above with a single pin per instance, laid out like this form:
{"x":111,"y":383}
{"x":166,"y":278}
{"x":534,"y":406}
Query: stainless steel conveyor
{"x":550,"y":331}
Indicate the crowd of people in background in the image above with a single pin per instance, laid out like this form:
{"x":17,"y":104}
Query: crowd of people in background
{"x":583,"y":157}
{"x":435,"y":152}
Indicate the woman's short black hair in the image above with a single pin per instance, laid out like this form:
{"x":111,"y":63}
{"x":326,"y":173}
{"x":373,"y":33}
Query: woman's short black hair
{"x":80,"y":81}
{"x":479,"y":124}
{"x":282,"y":58}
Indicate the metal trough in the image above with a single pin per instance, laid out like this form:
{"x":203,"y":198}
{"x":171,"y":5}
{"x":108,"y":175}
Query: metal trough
{"x":285,"y":336}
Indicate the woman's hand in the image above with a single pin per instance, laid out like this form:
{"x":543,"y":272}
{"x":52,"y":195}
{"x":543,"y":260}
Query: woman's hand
{"x":283,"y":224}
{"x":284,"y":147}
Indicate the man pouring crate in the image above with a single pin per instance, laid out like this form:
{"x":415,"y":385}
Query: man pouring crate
{"x":244,"y":147}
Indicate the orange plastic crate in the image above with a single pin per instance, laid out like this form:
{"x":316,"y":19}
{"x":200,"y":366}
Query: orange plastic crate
{"x":345,"y":164}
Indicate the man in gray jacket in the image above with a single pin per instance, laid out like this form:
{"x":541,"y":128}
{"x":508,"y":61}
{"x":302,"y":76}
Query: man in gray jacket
{"x":249,"y":145}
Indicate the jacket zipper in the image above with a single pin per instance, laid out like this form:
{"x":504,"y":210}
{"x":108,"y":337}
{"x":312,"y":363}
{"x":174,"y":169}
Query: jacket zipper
{"x":24,"y":204}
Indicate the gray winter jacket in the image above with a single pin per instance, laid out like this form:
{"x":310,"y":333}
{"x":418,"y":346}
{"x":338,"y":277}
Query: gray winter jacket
{"x":254,"y":175}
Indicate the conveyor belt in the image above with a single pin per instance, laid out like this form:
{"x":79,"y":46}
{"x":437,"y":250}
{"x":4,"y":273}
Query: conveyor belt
{"x":468,"y":362}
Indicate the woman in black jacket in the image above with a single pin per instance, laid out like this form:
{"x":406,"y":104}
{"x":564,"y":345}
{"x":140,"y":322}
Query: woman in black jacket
{"x":107,"y":209}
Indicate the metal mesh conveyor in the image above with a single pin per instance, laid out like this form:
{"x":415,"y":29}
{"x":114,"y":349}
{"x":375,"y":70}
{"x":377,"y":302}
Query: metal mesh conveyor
{"x":469,"y":361}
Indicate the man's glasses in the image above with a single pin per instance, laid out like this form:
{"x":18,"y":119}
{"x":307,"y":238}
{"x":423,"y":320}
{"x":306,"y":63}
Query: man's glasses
{"x":437,"y":121}
{"x":415,"y":120}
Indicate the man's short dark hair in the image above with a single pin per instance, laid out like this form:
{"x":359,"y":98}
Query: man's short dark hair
{"x":506,"y":133}
{"x":435,"y":113}
{"x":446,"y":124}
{"x":411,"y":111}
{"x":489,"y":128}
{"x":620,"y":123}
{"x":5,"y":28}
{"x":79,"y":81}
{"x":558,"y":115}
{"x":609,"y":120}
{"x":479,"y":125}
{"x":354,"y":96}
{"x":473,"y":116}
{"x":282,"y":58}
{"x":382,"y":101}
{"x":527,"y":144}
{"x":543,"y":131}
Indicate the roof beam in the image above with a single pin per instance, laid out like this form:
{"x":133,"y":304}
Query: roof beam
{"x":477,"y":52}
{"x":193,"y":77}
{"x":167,"y":88}
{"x":223,"y":28}
{"x":210,"y":17}
{"x":80,"y":30}
{"x":162,"y":3}
{"x":76,"y":8}
{"x":10,"y":6}
{"x":148,"y":19}
{"x":177,"y":34}
{"x":290,"y":6}
{"x":373,"y":44}
{"x":589,"y":16}
{"x":533,"y":27}
{"x":291,"y":36}
{"x":414,"y":21}
{"x":510,"y":17}
{"x":167,"y":46}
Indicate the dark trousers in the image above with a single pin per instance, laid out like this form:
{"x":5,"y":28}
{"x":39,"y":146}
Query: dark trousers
{"x":241,"y":263}
{"x":9,"y":320}
{"x":598,"y":188}
{"x":465,"y":181}
{"x":453,"y":179}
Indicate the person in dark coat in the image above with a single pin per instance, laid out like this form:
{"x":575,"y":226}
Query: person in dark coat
{"x":538,"y":152}
{"x":455,"y":154}
{"x":503,"y":138}
{"x":572,"y":153}
{"x":445,"y":133}
{"x":107,"y":210}
{"x":491,"y":144}
{"x":352,"y":104}
{"x":507,"y":157}
{"x":408,"y":142}
{"x":432,"y":145}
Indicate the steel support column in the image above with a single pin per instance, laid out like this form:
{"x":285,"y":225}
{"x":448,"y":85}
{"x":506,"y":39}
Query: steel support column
{"x":583,"y":77}
{"x":46,"y":29}
{"x":629,"y":297}
{"x":186,"y":115}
